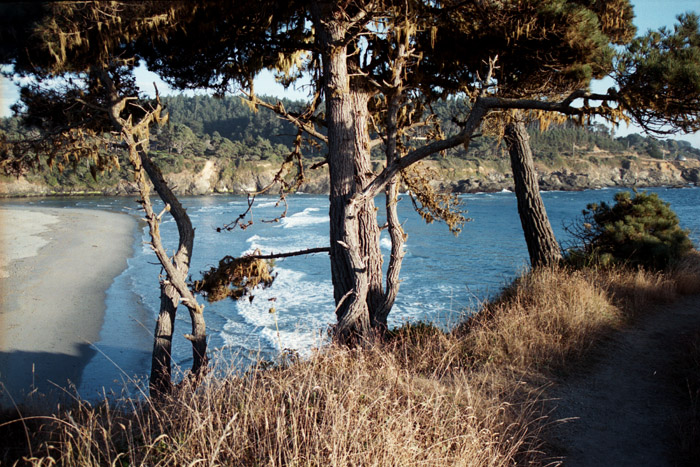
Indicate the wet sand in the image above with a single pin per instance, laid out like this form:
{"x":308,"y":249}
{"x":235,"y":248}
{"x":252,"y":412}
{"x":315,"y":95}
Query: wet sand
{"x":55,"y":268}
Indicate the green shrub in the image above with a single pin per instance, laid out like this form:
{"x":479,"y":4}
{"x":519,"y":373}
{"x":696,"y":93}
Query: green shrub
{"x":640,"y":231}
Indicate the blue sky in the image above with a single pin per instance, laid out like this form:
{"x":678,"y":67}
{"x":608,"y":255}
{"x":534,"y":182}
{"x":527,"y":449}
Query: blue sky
{"x":649,"y":14}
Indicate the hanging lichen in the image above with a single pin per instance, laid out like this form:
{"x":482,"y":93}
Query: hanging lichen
{"x":235,"y":278}
{"x":429,"y":204}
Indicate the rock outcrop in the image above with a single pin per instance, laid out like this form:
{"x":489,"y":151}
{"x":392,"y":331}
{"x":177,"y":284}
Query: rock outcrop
{"x":215,"y":176}
{"x":630,"y":173}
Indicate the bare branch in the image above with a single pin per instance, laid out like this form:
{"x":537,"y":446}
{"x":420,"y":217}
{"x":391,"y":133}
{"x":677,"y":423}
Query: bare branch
{"x":308,"y":251}
{"x":300,"y":121}
{"x":320,"y":164}
{"x":481,"y":107}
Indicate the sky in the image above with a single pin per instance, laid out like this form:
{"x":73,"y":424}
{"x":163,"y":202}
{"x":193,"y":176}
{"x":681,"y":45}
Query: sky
{"x":649,"y":14}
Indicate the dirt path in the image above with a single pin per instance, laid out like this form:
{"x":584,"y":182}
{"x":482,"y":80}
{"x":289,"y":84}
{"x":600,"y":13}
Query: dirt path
{"x":623,"y":407}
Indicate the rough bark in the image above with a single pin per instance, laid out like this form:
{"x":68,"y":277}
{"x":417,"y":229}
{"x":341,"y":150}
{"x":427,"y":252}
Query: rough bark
{"x":542,"y":246}
{"x":368,"y":227}
{"x":347,"y":266}
{"x":172,"y":290}
{"x":160,"y":381}
{"x":396,"y":233}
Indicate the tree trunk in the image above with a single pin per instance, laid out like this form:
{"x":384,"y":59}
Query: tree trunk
{"x":396,"y":233}
{"x":161,"y":360}
{"x":541,"y":243}
{"x":174,"y":288}
{"x":170,"y":297}
{"x":368,"y":228}
{"x":352,"y":240}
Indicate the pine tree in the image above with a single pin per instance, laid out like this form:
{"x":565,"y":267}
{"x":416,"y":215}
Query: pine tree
{"x":639,"y":231}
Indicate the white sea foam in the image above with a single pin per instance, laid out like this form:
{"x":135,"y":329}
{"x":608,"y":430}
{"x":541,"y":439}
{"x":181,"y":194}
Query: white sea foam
{"x":302,"y":340}
{"x":255,"y":238}
{"x":301,"y":305}
{"x":257,"y":242}
{"x":267,"y":204}
{"x":240,"y":334}
{"x":285,"y":243}
{"x":304,"y":218}
{"x":385,"y":242}
{"x":146,"y":247}
{"x":210,"y":208}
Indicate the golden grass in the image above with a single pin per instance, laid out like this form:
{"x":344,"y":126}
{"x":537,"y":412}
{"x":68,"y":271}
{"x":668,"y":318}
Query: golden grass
{"x":340,"y":407}
{"x":472,"y":396}
{"x":542,"y":320}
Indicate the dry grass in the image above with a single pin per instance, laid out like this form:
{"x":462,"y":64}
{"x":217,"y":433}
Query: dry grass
{"x":686,"y":273}
{"x":422,"y":397}
{"x":542,"y":320}
{"x":633,"y":290}
{"x":340,"y":407}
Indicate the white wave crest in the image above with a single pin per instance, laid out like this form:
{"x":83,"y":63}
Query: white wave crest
{"x":303,"y":218}
{"x":385,"y":242}
{"x":302,"y":307}
{"x":255,"y":238}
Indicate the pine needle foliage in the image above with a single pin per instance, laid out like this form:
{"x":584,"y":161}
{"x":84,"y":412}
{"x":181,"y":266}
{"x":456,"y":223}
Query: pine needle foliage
{"x":659,"y":78}
{"x":641,"y":231}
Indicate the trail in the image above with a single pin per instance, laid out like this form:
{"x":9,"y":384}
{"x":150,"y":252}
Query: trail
{"x":621,"y":410}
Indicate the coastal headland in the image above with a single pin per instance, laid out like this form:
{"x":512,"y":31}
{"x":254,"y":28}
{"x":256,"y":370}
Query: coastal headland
{"x":597,"y":169}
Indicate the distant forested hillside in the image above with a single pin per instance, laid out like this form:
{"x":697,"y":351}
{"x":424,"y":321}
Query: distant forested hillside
{"x":227,"y":129}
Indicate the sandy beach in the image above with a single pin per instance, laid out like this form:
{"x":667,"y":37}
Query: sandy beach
{"x":55,"y":268}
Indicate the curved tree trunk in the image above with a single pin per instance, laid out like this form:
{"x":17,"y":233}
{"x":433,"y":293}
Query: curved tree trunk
{"x":396,"y":233}
{"x":170,"y":297}
{"x":542,"y":246}
{"x":174,"y":289}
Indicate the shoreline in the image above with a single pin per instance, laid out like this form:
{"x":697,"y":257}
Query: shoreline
{"x":59,"y":265}
{"x":451,"y":187}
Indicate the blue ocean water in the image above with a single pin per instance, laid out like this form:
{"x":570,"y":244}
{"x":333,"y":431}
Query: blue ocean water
{"x":444,"y":277}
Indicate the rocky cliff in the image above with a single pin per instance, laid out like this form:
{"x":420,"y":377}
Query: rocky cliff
{"x":594,"y":170}
{"x":589,"y":174}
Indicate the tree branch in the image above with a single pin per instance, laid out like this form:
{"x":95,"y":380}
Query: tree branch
{"x":308,"y":251}
{"x":481,"y":107}
{"x":295,"y":120}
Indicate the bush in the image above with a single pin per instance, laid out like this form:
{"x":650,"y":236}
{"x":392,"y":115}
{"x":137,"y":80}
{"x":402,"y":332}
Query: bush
{"x":640,"y":231}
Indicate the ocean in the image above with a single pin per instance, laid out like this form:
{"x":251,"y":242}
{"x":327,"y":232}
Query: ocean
{"x":444,"y":277}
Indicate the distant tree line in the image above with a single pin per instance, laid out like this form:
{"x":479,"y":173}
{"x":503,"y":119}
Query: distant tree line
{"x":204,"y":126}
{"x":228,"y":128}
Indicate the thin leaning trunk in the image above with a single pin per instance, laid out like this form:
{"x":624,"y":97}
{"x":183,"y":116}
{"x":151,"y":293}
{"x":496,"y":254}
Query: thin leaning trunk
{"x":181,"y":261}
{"x":174,"y":289}
{"x":542,"y":246}
{"x":396,"y":233}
